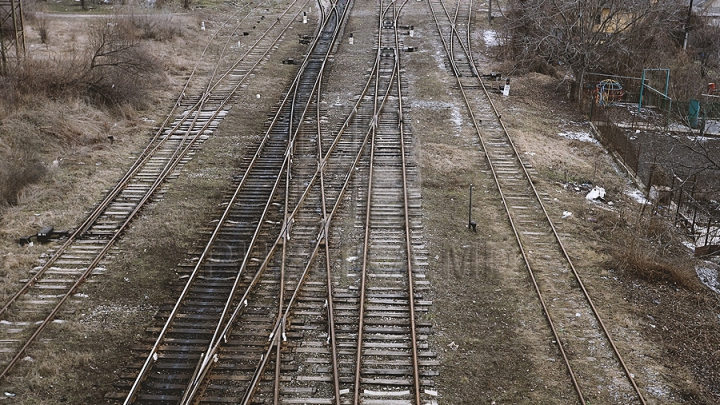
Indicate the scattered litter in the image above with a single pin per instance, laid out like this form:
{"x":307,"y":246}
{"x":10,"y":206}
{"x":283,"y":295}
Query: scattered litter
{"x":351,"y":258}
{"x":453,"y":346}
{"x":9,"y":394}
{"x":596,"y":193}
{"x":577,"y":314}
{"x":28,"y":358}
{"x":566,"y":214}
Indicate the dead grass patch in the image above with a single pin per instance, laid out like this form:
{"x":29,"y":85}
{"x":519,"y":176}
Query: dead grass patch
{"x":650,"y":250}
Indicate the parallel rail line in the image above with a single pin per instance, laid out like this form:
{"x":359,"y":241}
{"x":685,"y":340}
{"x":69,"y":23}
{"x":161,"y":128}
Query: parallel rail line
{"x":585,"y":344}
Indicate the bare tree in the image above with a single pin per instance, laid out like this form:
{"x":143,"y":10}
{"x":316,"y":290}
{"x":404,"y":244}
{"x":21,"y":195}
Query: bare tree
{"x":119,"y":66}
{"x":589,"y":35}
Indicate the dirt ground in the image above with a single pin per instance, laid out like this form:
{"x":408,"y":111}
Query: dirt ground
{"x":491,"y":337}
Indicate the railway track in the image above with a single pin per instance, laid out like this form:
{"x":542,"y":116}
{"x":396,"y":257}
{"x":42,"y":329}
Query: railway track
{"x":595,"y":367}
{"x":265,"y":316}
{"x":185,"y":352}
{"x":37,"y":303}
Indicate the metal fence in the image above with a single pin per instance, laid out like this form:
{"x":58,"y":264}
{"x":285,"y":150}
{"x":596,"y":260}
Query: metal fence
{"x":679,"y":200}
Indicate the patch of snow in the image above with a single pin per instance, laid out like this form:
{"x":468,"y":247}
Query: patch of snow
{"x":351,"y":258}
{"x":637,"y":195}
{"x":566,"y":214}
{"x":582,"y":136}
{"x":490,"y":38}
{"x":440,"y":59}
{"x":596,"y":193}
{"x":456,"y":117}
{"x":658,"y":391}
{"x":689,"y":245}
{"x":709,"y":277}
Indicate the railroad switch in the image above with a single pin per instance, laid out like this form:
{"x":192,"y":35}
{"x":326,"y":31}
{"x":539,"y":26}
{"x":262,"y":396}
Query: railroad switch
{"x":45,"y":235}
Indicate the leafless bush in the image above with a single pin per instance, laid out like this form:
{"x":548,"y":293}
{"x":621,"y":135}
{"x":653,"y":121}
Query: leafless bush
{"x":43,"y":27}
{"x":158,"y":27}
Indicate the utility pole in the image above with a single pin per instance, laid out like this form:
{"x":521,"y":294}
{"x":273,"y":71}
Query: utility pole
{"x":687,"y":25}
{"x":11,"y":17}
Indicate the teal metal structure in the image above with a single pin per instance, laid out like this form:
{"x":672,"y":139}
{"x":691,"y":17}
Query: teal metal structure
{"x":663,"y":93}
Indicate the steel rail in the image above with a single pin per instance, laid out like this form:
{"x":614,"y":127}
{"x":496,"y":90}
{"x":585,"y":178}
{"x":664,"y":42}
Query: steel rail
{"x":205,"y":361}
{"x":173,"y":161}
{"x":167,"y":170}
{"x":48,"y":319}
{"x":275,"y":335}
{"x":620,"y":359}
{"x":576,"y":274}
{"x":556,"y":236}
{"x":368,"y":205}
{"x":406,"y":209}
{"x":510,"y":218}
{"x":272,"y":125}
{"x":328,"y":270}
{"x":363,"y":274}
{"x":215,"y":233}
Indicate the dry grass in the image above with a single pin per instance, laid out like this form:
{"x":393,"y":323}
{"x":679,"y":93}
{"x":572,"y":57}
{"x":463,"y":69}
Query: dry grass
{"x":649,"y":249}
